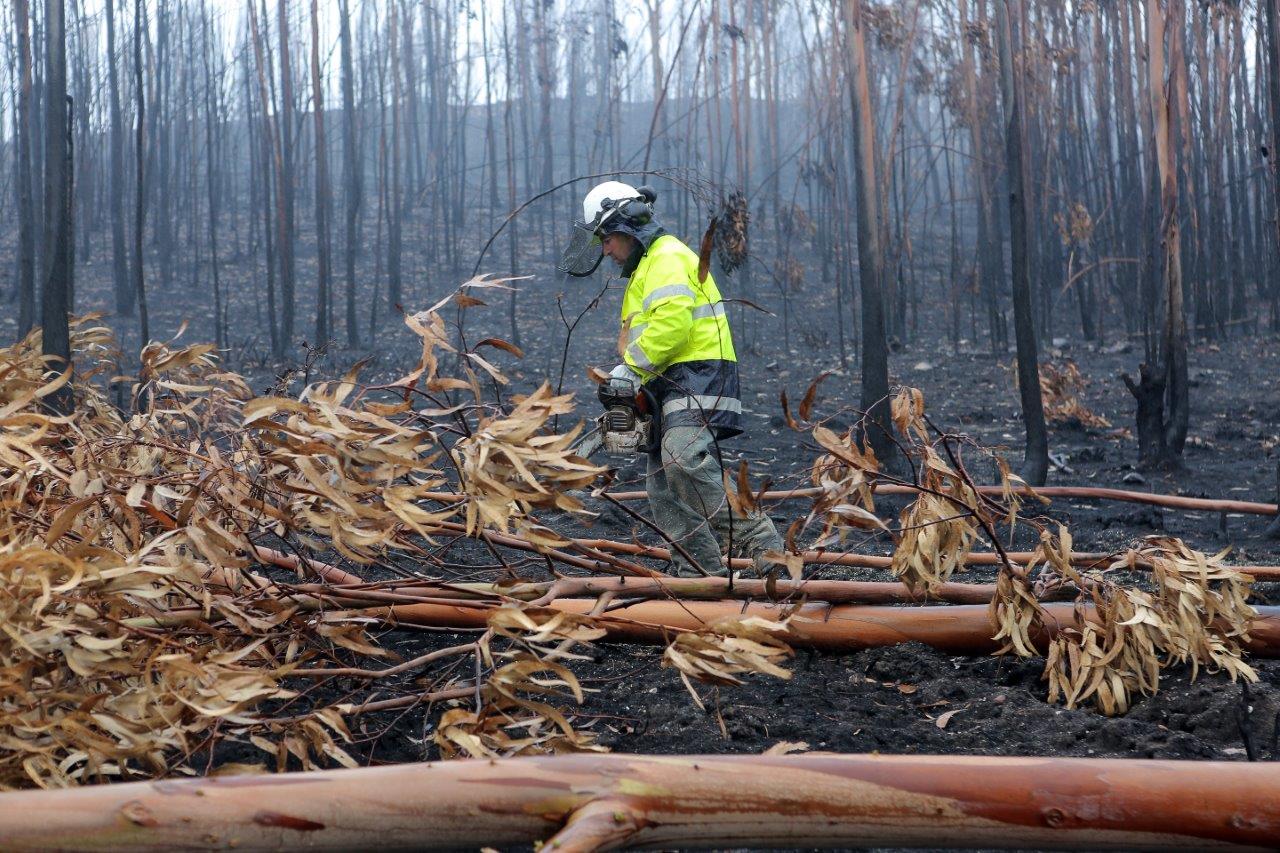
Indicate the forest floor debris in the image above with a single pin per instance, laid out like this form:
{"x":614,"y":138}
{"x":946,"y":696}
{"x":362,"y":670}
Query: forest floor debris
{"x":139,"y":526}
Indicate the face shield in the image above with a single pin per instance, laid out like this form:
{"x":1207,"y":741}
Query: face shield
{"x":584,"y":252}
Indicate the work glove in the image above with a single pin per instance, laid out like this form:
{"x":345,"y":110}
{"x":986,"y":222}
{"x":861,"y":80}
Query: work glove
{"x":625,"y":371}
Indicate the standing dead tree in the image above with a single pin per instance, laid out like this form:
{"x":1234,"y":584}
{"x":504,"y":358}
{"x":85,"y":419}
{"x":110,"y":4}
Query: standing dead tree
{"x":1162,"y":391}
{"x":875,"y":348}
{"x":324,"y":302}
{"x":124,"y":293}
{"x":1035,"y":463}
{"x":59,"y":239}
{"x":23,"y":172}
{"x":140,"y":185}
{"x":351,"y":173}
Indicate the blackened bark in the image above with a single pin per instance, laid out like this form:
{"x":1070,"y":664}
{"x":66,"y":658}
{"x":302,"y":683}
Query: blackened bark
{"x":140,"y":196}
{"x":59,"y":266}
{"x":1035,"y":463}
{"x":211,"y":181}
{"x":350,"y":170}
{"x":1149,"y":392}
{"x":1273,"y":85}
{"x":24,"y":177}
{"x":288,"y":232}
{"x":324,"y":307}
{"x":124,"y":290}
{"x":875,"y":350}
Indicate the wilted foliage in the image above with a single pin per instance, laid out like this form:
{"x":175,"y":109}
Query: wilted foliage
{"x":1196,"y":613}
{"x":118,"y":656}
{"x":938,"y":528}
{"x":726,"y":650}
{"x":513,"y":717}
{"x":510,"y":465}
{"x":133,"y":635}
{"x":1193,"y":610}
{"x":1061,"y":389}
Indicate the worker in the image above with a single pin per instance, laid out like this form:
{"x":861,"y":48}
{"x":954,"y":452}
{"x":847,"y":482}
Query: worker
{"x":676,"y":343}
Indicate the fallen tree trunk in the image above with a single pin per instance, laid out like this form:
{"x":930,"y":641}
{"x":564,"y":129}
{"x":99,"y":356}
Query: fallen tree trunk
{"x":1089,"y":559}
{"x":963,"y":629}
{"x":833,"y":592}
{"x":593,"y":802}
{"x":1081,"y":492}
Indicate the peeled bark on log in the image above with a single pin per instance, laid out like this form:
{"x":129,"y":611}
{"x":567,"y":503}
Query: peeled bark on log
{"x":963,"y":629}
{"x":601,"y":801}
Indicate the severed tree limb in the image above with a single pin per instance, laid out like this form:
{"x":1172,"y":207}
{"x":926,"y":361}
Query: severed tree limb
{"x":604,"y":824}
{"x":760,"y":801}
{"x":960,"y":629}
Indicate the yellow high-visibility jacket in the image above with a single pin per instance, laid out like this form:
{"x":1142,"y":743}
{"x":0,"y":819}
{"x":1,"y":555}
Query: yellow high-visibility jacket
{"x":679,"y":339}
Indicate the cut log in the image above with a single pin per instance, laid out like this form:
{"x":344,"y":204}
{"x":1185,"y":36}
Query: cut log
{"x":959,"y":630}
{"x":603,"y":801}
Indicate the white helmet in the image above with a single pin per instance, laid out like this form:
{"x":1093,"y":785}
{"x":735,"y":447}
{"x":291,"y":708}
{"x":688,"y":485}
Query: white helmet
{"x":608,"y":207}
{"x":604,"y":198}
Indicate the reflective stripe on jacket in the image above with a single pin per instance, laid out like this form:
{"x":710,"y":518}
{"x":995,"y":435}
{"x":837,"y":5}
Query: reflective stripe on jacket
{"x":678,"y":338}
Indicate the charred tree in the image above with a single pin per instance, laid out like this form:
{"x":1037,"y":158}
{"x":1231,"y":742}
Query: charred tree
{"x":211,"y":181}
{"x":140,"y":188}
{"x":324,"y":306}
{"x":124,"y":291}
{"x":875,"y":349}
{"x":287,"y":231}
{"x":1035,"y":462}
{"x":395,"y":196}
{"x":1273,"y":85}
{"x":59,"y":239}
{"x":351,"y":172}
{"x":1169,"y":376}
{"x":23,"y":172}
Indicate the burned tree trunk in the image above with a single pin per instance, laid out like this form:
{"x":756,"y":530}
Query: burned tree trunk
{"x":875,"y":349}
{"x":1153,"y":451}
{"x":271,"y":164}
{"x":211,"y":181}
{"x":124,"y":291}
{"x":350,"y":170}
{"x":59,"y":262}
{"x":1035,"y":464}
{"x":140,"y":196}
{"x":324,"y":319}
{"x":1273,"y":84}
{"x":1171,"y":372}
{"x":395,"y":203}
{"x":26,"y":204}
{"x":286,"y":227}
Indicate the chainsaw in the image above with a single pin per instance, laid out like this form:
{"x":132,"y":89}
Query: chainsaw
{"x":626,"y":426}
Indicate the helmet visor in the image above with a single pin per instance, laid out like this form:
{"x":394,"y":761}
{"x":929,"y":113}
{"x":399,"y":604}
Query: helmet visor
{"x":584,"y":252}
